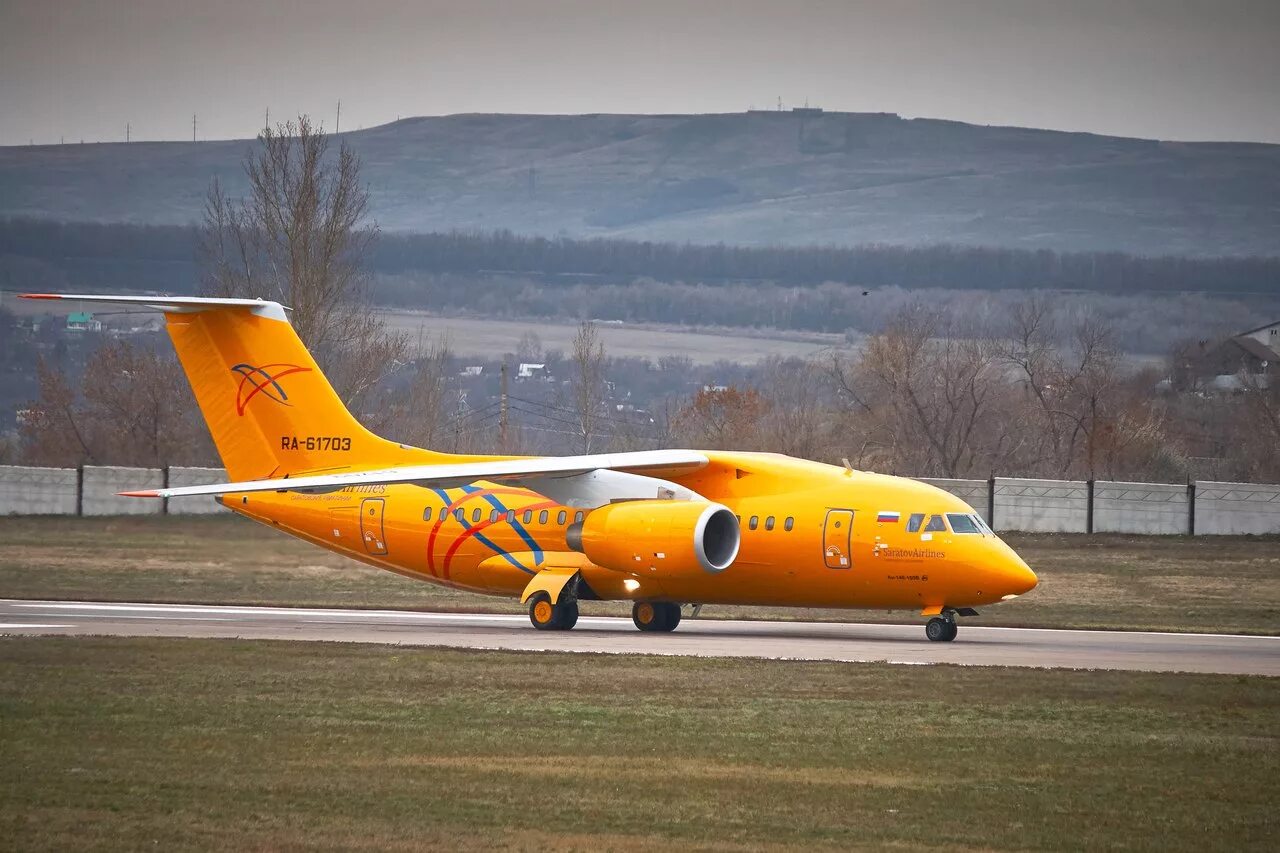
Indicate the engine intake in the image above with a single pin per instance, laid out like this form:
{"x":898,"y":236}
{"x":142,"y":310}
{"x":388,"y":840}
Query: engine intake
{"x":666,"y":537}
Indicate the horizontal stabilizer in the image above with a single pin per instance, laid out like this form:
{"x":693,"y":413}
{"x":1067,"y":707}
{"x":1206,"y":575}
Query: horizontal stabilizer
{"x":172,"y":304}
{"x":657,"y":462}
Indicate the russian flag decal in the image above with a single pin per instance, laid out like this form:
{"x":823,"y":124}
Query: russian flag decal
{"x":885,"y":516}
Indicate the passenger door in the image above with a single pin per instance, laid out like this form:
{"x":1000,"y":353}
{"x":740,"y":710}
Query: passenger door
{"x":837,"y":533}
{"x":371,"y":531}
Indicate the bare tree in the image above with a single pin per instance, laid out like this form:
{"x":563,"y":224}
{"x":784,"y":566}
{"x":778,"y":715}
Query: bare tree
{"x":940,"y":388}
{"x":299,"y":238}
{"x":722,"y":419}
{"x":420,"y":413}
{"x":133,"y":407}
{"x":798,"y":420}
{"x":587,"y":386}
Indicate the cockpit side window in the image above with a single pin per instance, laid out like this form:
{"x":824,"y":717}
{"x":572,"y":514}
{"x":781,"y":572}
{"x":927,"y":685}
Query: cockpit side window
{"x":935,"y":525}
{"x":986,"y":528}
{"x":963,"y":523}
{"x":914,"y":522}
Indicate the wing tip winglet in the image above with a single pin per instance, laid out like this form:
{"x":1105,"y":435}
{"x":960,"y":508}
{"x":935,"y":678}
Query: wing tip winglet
{"x":144,"y":493}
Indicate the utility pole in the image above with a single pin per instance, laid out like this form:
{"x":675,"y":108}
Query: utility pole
{"x":502,"y":416}
{"x":337,"y":123}
{"x":267,"y":124}
{"x":193,"y":127}
{"x":128,"y":129}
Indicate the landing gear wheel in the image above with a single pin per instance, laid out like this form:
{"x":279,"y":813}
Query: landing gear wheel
{"x":941,"y":630}
{"x":546,"y":616}
{"x":655,"y":615}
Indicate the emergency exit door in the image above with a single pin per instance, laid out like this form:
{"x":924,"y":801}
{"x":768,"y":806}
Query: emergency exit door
{"x":371,"y":531}
{"x":837,"y":536}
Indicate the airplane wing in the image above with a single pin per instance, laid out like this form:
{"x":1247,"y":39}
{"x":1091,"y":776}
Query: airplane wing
{"x":538,"y":473}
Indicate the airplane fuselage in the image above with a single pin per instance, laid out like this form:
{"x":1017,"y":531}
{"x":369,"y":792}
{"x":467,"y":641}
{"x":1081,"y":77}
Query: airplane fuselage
{"x":813,"y":535}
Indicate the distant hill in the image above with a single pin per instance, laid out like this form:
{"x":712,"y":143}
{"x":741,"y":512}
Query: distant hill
{"x":758,"y":178}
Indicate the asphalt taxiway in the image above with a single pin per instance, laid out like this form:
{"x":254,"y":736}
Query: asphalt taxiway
{"x":836,"y":641}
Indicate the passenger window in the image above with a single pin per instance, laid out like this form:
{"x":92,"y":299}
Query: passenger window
{"x":561,"y":517}
{"x":935,"y":525}
{"x":768,"y":523}
{"x":528,"y":516}
{"x":511,"y":516}
{"x":788,"y":524}
{"x":426,"y":514}
{"x":460,"y":514}
{"x":755,"y":522}
{"x":475,"y":516}
{"x":914,"y":522}
{"x":494,"y":516}
{"x":542,"y":517}
{"x":962,"y":523}
{"x":578,"y":516}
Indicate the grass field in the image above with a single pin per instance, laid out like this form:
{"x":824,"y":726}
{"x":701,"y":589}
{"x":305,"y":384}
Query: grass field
{"x":482,"y":337}
{"x":189,"y":744}
{"x":1229,"y":584}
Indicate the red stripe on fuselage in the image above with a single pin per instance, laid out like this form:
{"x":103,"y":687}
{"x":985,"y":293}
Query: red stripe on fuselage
{"x":448,"y":513}
{"x":471,"y":531}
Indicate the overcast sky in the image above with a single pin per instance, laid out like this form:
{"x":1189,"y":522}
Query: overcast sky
{"x":1170,"y":69}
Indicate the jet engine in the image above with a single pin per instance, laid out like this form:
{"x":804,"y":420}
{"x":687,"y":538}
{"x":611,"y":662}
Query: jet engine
{"x":667,"y":538}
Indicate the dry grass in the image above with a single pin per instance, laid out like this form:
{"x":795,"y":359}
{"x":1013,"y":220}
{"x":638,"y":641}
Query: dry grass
{"x":1221,"y":584}
{"x":200,"y":744}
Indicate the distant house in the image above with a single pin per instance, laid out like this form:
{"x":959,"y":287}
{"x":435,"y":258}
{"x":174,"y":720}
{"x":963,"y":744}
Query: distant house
{"x":83,"y":321}
{"x":473,"y":370}
{"x":529,"y":370}
{"x":1248,"y":359}
{"x":1268,"y":335}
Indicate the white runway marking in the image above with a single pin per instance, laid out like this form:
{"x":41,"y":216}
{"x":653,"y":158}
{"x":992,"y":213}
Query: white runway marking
{"x":833,"y":641}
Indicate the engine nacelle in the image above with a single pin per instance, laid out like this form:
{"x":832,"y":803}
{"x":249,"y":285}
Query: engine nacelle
{"x":667,"y":538}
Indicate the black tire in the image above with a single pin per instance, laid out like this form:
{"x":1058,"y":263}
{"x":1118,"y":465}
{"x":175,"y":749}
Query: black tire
{"x":940,"y":630}
{"x":546,"y":616}
{"x":955,"y":629}
{"x":655,"y":615}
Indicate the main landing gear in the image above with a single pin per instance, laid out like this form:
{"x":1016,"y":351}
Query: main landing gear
{"x":546,"y":616}
{"x":655,"y":615}
{"x":942,"y":629}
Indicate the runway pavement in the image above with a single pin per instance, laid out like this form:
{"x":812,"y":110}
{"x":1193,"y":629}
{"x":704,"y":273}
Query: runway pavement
{"x":899,"y":644}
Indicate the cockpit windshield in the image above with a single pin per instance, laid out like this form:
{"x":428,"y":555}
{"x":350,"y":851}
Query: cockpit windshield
{"x":961,"y":523}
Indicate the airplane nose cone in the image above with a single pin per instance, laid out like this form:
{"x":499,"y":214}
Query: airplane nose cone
{"x":1016,"y":577}
{"x":1020,"y":579}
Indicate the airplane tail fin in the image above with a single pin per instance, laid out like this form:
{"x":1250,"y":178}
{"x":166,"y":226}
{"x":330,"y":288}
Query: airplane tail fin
{"x":269,"y":408}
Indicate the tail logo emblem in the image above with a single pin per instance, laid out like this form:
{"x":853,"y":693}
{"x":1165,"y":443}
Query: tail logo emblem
{"x":263,"y":380}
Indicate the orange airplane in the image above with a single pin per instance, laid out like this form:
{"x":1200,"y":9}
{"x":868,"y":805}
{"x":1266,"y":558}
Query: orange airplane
{"x":661,"y":528}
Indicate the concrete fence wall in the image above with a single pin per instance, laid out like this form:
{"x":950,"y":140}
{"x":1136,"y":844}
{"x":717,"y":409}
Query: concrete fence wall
{"x":100,"y":485}
{"x":92,"y":490}
{"x":194,"y":477}
{"x":1049,"y":506}
{"x":1141,"y":508}
{"x":1041,"y":506}
{"x":38,"y":491}
{"x":1236,"y":508}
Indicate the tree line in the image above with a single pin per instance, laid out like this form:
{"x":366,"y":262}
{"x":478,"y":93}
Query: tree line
{"x":120,"y":254}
